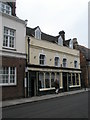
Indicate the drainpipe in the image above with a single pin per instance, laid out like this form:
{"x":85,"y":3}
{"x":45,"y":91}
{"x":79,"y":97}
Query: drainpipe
{"x":26,"y":80}
{"x":28,"y":55}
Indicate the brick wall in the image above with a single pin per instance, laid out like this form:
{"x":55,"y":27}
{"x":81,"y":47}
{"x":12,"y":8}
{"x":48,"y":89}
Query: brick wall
{"x":15,"y":91}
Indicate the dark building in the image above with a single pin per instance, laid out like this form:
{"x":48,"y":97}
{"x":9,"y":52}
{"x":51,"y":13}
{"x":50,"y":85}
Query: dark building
{"x":85,"y":63}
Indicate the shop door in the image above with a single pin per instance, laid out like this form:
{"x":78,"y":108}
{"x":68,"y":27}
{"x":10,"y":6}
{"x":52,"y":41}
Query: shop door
{"x":32,"y":79}
{"x":64,"y":82}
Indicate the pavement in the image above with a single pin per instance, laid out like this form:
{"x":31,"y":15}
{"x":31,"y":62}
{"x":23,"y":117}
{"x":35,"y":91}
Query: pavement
{"x":9,"y":103}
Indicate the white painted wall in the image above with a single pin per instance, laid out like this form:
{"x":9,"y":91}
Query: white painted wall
{"x":19,"y":26}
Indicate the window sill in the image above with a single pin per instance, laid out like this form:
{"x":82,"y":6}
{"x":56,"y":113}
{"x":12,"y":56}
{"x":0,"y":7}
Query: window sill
{"x":7,"y":48}
{"x":7,"y":85}
{"x":45,"y":89}
{"x":75,"y":86}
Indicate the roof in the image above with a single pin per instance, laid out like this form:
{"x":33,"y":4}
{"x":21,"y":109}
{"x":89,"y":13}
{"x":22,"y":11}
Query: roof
{"x":44,"y":36}
{"x":47,"y":37}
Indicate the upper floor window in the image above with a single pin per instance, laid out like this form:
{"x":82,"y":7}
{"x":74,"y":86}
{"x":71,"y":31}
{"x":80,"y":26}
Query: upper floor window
{"x":42,"y":59}
{"x":9,"y":38}
{"x":71,"y":44}
{"x":38,"y":33}
{"x":5,"y":8}
{"x":64,"y":62}
{"x":60,"y":41}
{"x":75,"y":64}
{"x":7,"y":75}
{"x":57,"y":61}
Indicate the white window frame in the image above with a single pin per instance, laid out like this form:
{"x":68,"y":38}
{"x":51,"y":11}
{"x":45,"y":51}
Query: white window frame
{"x":9,"y":75}
{"x":56,"y":61}
{"x":11,"y":33}
{"x":3,"y":8}
{"x":65,"y":63}
{"x":60,"y":41}
{"x":75,"y":64}
{"x":44,"y":59}
{"x":38,"y":33}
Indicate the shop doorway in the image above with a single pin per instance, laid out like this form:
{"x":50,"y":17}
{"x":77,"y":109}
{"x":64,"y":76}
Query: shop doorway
{"x":31,"y":84}
{"x":64,"y":81}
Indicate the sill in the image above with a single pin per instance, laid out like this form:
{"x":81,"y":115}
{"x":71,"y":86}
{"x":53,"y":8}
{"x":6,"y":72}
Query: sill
{"x":75,"y":86}
{"x":7,"y":48}
{"x":7,"y":85}
{"x":45,"y":89}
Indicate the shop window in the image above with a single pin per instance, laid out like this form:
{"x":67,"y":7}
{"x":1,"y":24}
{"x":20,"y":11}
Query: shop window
{"x":52,"y":79}
{"x":47,"y":80}
{"x":77,"y":79}
{"x":41,"y":80}
{"x":69,"y":79}
{"x":73,"y":78}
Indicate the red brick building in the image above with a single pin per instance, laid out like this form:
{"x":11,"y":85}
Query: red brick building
{"x":12,"y":52}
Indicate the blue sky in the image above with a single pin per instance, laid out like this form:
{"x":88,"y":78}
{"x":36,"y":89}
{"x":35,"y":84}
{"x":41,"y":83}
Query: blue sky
{"x":55,"y":15}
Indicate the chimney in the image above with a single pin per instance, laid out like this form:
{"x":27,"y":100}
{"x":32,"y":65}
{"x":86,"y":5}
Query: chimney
{"x":62,"y":34}
{"x":75,"y":43}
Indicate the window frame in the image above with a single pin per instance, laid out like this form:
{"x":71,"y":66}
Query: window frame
{"x":9,"y":38}
{"x":42,"y":59}
{"x":38,"y":33}
{"x":9,"y":76}
{"x":75,"y":64}
{"x":65,"y":63}
{"x":3,"y":8}
{"x":58,"y":62}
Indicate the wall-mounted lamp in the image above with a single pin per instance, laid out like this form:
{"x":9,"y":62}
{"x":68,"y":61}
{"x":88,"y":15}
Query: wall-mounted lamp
{"x":50,"y":59}
{"x":34,"y":57}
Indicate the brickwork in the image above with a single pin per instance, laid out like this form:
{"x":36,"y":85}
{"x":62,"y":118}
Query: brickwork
{"x":15,"y":91}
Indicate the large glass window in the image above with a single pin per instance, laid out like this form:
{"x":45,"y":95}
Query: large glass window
{"x":69,"y":79}
{"x":47,"y":80}
{"x":5,"y":8}
{"x":73,"y":78}
{"x":7,"y":75}
{"x":58,"y":77}
{"x":77,"y":79}
{"x":52,"y":79}
{"x":9,"y":38}
{"x":42,"y":59}
{"x":57,"y":62}
{"x":41,"y":80}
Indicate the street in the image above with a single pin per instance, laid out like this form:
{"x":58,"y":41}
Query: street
{"x":73,"y":106}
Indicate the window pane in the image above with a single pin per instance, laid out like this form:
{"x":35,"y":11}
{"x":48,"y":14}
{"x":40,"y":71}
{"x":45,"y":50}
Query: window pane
{"x":52,"y":79}
{"x":77,"y":79}
{"x":47,"y":80}
{"x":9,"y":37}
{"x":12,"y":74}
{"x":64,"y":62}
{"x":56,"y":61}
{"x":75,"y":64}
{"x":42,"y":59}
{"x":41,"y":80}
{"x":69,"y":79}
{"x":73,"y":78}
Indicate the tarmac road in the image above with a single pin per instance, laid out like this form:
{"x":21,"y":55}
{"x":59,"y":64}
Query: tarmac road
{"x":73,"y":106}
